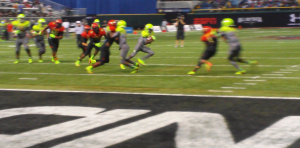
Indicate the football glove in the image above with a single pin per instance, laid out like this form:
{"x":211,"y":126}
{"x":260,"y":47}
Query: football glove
{"x":98,"y":44}
{"x":52,"y":36}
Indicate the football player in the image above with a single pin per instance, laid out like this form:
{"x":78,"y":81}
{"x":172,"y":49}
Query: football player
{"x":56,"y":34}
{"x":22,"y":31}
{"x":210,"y":40}
{"x":39,"y":39}
{"x":147,"y":37}
{"x":228,"y":33}
{"x":95,"y":35}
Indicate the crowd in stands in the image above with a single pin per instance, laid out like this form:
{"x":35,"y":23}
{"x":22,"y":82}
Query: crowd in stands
{"x":33,"y":8}
{"x":220,"y":4}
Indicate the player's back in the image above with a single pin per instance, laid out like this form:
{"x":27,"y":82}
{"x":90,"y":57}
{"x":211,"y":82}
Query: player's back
{"x":122,"y":38}
{"x":230,"y":34}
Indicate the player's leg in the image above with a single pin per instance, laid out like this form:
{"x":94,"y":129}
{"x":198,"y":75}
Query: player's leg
{"x":233,"y":54}
{"x":18,"y":44}
{"x":42,"y":49}
{"x":238,"y":59}
{"x":208,"y":53}
{"x":137,"y":48}
{"x":104,"y":58}
{"x":54,"y":44}
{"x":150,"y":54}
{"x":123,"y":61}
{"x":26,"y":47}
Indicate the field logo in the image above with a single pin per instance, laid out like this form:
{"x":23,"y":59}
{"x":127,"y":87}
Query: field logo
{"x":195,"y":129}
{"x":250,"y":20}
{"x":293,"y":18}
{"x":205,"y":21}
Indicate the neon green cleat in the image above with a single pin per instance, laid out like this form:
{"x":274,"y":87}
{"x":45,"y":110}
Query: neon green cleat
{"x":40,"y":61}
{"x":16,"y":62}
{"x":89,"y":69}
{"x":91,"y":62}
{"x":135,"y":69}
{"x":77,"y":63}
{"x":191,"y":73}
{"x":56,"y":62}
{"x":30,"y":60}
{"x":240,"y":72}
{"x":253,"y":62}
{"x":53,"y":59}
{"x":122,"y":66}
{"x":141,"y":62}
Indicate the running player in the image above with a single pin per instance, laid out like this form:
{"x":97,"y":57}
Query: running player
{"x":228,"y":33}
{"x":112,"y":36}
{"x":83,"y":43}
{"x":210,"y":40}
{"x":39,"y":39}
{"x":56,"y":34}
{"x":22,"y":29}
{"x":95,"y":36}
{"x":124,"y":48}
{"x":143,"y":44}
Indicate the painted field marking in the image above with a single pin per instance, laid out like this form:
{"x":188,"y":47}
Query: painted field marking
{"x":295,"y":66}
{"x":68,"y":63}
{"x":256,"y":80}
{"x":149,"y":94}
{"x":282,"y":72}
{"x":133,"y":75}
{"x":233,"y":87}
{"x":273,"y":74}
{"x":28,"y":78}
{"x":245,"y":83}
{"x":227,"y":91}
{"x":288,"y":70}
{"x":256,"y":77}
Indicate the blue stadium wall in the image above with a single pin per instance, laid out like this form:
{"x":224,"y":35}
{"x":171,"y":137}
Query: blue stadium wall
{"x":112,"y":6}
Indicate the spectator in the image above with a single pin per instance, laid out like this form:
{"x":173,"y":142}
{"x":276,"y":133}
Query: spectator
{"x":66,"y":24}
{"x":79,"y":28}
{"x":164,"y":23}
{"x":180,"y":30}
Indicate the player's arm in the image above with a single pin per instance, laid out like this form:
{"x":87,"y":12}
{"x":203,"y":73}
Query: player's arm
{"x":83,"y":37}
{"x":43,"y":30}
{"x":59,"y":35}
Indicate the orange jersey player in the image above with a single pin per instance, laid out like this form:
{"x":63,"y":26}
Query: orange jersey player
{"x":95,"y":35}
{"x":84,"y":37}
{"x":56,"y":33}
{"x":210,"y":40}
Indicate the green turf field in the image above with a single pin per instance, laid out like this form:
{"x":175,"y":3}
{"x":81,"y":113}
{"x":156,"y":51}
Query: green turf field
{"x":276,"y":75}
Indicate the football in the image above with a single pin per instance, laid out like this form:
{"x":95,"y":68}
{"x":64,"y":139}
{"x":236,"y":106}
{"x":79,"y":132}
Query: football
{"x":150,"y":39}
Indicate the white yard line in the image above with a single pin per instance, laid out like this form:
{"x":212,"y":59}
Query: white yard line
{"x":245,"y":83}
{"x":137,"y":75}
{"x":255,"y":80}
{"x":281,"y":72}
{"x":273,"y":74}
{"x":152,"y":94}
{"x":233,"y":87}
{"x":28,"y":78}
{"x":227,"y":91}
{"x":288,"y":70}
{"x":83,"y":63}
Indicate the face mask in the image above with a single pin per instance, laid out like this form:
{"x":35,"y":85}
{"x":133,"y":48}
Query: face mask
{"x":58,"y":25}
{"x":112,"y":28}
